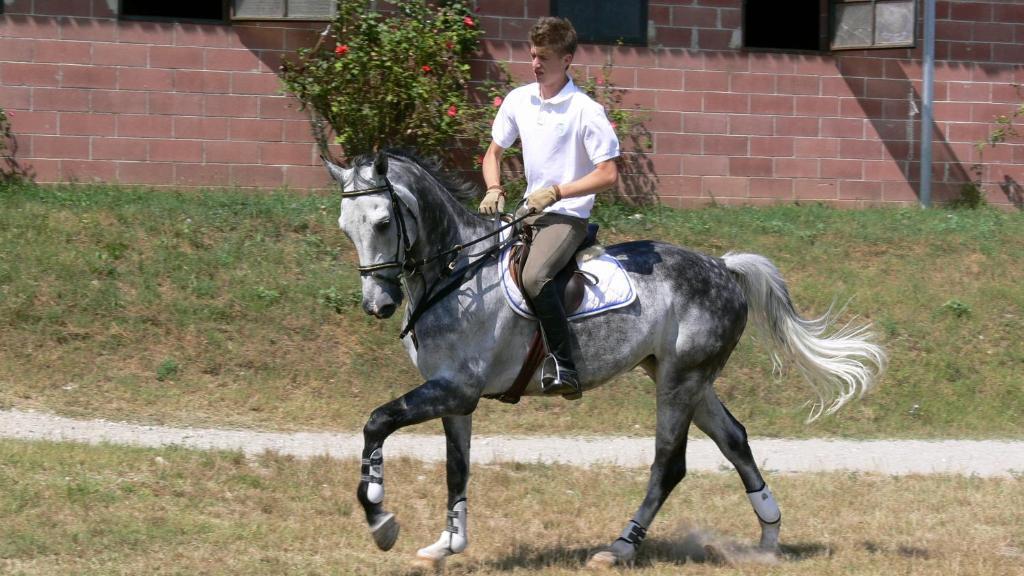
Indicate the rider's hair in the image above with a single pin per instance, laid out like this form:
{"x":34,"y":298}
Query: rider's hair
{"x":555,"y":33}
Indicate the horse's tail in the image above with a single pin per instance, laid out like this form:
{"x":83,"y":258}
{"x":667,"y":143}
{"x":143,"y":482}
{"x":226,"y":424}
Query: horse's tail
{"x":838,"y":366}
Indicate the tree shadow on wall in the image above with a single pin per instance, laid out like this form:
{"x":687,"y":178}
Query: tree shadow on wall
{"x":10,"y":169}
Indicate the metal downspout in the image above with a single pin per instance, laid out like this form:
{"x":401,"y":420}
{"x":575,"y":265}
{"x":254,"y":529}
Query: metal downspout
{"x":927,"y":101}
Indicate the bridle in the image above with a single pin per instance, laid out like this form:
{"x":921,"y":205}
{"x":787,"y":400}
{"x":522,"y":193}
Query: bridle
{"x":402,"y":260}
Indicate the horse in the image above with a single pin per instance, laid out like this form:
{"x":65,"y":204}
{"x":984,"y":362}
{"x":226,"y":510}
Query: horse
{"x":411,"y":233}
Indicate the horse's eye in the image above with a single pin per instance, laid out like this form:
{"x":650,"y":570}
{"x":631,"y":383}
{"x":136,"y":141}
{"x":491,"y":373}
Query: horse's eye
{"x":382,"y":225}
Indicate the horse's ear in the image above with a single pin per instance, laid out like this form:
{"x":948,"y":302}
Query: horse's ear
{"x":336,"y":172}
{"x":380,"y":164}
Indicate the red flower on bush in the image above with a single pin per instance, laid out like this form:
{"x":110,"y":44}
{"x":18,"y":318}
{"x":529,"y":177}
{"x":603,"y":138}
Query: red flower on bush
{"x":497,"y":101}
{"x":426,"y":68}
{"x":468,"y":21}
{"x":452,"y":111}
{"x":341,"y":50}
{"x":449,"y":45}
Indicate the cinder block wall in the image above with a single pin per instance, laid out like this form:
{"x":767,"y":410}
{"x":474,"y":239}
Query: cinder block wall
{"x":95,"y":98}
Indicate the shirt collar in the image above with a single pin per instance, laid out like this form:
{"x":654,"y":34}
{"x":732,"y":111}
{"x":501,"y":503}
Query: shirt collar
{"x":564,"y":94}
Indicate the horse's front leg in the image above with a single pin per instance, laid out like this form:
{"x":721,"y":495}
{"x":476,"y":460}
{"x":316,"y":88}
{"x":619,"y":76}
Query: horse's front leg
{"x":454,"y":539}
{"x":432,"y":399}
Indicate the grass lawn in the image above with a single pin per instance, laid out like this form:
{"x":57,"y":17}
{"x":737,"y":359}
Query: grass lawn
{"x":240,"y":308}
{"x":73,"y":509}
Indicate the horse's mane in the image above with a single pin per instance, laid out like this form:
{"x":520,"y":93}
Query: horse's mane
{"x":459,"y":187}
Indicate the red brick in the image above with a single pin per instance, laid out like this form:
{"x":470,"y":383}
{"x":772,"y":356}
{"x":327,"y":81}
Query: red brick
{"x":814,"y":189}
{"x":970,"y":52}
{"x":60,"y":147}
{"x":200,"y":128}
{"x":16,"y":97}
{"x":885,"y":170}
{"x":287,"y":153}
{"x":255,"y":84}
{"x":1009,"y":53}
{"x":176,"y":104}
{"x":995,"y":32}
{"x":750,"y":167}
{"x":725,"y":145}
{"x":266,"y":130}
{"x":120,"y":149}
{"x":119,"y":101}
{"x":517,"y":29}
{"x":781,"y":188}
{"x":232,"y":60}
{"x":61,"y":8}
{"x":60,"y":99}
{"x":86,"y":124}
{"x":639,"y":99}
{"x":23,"y":74}
{"x":176,"y":57}
{"x":887,"y":130}
{"x":796,"y":126}
{"x":44,"y":170}
{"x":880,"y":88}
{"x":202,"y":81}
{"x":816,"y":148}
{"x":816,"y":66}
{"x":297,"y":131}
{"x":156,"y":173}
{"x":842,"y":127}
{"x":771,"y":146}
{"x":659,"y":78}
{"x":860,"y":190}
{"x":256,"y":37}
{"x":899,"y":192}
{"x":725,"y":186}
{"x":707,"y":81}
{"x":203,"y":174}
{"x":723,"y":102}
{"x":144,"y":126}
{"x":770,"y":63}
{"x":88,"y":30}
{"x":30,"y":122}
{"x":705,"y":165}
{"x":700,"y":123}
{"x":970,"y":11}
{"x":767,"y":104}
{"x":300,"y":38}
{"x":950,"y":30}
{"x":666,"y":165}
{"x":710,"y":39}
{"x":62,"y":52}
{"x":677,"y":144}
{"x":18,"y":49}
{"x":1007,"y":93}
{"x":683,"y":59}
{"x":229,"y":105}
{"x":798,"y":85}
{"x":88,"y":77}
{"x":205,"y":35}
{"x":144,"y":79}
{"x":149,"y":33}
{"x":861,"y":67}
{"x":176,"y":150}
{"x":669,"y":37}
{"x":861,"y":149}
{"x":230,"y":152}
{"x":87,"y":171}
{"x":679,"y":101}
{"x":816,"y":106}
{"x":31,"y":27}
{"x":839,"y":87}
{"x":132,"y":55}
{"x":849,"y":169}
{"x":694,"y":17}
{"x":283,"y":107}
{"x":953,"y":111}
{"x":257,"y":176}
{"x":753,"y":83}
{"x":751,"y":125}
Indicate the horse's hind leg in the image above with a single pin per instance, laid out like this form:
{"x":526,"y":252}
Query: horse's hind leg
{"x":714,"y":419}
{"x":676,"y":396}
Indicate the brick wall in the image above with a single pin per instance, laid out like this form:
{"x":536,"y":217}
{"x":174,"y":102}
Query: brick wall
{"x":95,"y":98}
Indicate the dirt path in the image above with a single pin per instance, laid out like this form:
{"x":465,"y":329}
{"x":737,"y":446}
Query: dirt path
{"x":893,"y":457}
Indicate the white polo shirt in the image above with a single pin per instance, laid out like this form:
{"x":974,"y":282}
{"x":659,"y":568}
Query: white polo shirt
{"x":563,"y":137}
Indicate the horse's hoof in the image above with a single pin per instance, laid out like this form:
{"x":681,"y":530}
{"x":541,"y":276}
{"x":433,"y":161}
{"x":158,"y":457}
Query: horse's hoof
{"x":385,"y":533}
{"x":604,"y":560}
{"x":428,"y":565}
{"x":716,"y":555}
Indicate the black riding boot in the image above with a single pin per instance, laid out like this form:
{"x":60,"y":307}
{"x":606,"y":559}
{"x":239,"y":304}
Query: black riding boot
{"x":558,"y":374}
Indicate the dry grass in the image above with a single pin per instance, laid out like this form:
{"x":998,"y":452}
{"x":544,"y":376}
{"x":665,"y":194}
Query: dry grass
{"x":70,"y":509}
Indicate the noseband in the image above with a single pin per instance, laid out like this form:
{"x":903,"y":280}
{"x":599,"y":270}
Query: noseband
{"x":402,"y":247}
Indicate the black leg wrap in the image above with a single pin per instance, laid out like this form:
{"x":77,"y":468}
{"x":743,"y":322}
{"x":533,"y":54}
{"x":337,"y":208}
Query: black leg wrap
{"x":633,"y":534}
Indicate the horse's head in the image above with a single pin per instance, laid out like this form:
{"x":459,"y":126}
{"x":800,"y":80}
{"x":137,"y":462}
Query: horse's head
{"x":378,"y":217}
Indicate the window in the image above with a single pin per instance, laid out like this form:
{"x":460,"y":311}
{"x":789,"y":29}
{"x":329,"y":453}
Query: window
{"x":283,"y":9}
{"x":873,"y":23}
{"x":605,"y":21}
{"x":195,"y":10}
{"x":818,"y":25}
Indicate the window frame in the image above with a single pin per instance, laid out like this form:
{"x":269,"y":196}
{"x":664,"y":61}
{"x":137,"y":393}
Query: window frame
{"x":826,"y":27}
{"x":641,"y":41}
{"x":284,"y":6}
{"x":225,"y":7}
{"x":833,"y":10}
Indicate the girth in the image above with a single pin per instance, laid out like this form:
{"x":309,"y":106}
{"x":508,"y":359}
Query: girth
{"x":572,"y":283}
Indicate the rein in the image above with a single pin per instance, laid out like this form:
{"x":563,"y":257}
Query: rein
{"x":411,"y":266}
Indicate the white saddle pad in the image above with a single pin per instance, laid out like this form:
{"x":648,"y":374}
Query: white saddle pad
{"x":614,"y":288}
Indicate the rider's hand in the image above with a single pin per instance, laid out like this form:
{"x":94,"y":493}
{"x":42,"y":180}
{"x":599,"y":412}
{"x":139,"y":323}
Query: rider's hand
{"x":541,"y":199}
{"x":494,"y":201}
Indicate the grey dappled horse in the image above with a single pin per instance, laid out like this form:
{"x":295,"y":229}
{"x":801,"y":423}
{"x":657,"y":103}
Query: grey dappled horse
{"x":689,"y":315}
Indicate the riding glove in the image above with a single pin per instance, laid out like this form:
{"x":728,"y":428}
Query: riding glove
{"x":541,"y":199}
{"x":494,"y":201}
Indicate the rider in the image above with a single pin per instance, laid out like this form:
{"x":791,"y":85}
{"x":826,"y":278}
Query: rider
{"x":569,"y":150}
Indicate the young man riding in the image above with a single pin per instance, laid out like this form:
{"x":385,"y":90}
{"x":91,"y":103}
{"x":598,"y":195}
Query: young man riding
{"x":569,"y":150}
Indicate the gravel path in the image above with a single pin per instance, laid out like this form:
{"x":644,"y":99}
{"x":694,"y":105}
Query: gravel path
{"x":891,"y":457}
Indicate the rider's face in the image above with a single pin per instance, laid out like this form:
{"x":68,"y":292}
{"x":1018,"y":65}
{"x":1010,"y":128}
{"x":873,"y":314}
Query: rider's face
{"x":548,"y":66}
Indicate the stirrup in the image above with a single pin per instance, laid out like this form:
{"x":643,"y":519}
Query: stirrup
{"x":557,"y":380}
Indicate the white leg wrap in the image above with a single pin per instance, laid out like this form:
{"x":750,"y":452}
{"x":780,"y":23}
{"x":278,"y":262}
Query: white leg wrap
{"x":373,"y":473}
{"x":764,"y":504}
{"x":454,"y":538}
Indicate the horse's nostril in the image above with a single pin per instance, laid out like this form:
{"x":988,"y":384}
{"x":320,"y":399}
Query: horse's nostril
{"x":386,"y":311}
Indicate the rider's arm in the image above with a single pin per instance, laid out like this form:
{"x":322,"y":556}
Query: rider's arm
{"x":492,"y":165}
{"x":604,"y":176}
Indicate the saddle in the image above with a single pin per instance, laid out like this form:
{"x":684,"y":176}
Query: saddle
{"x":572,"y":283}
